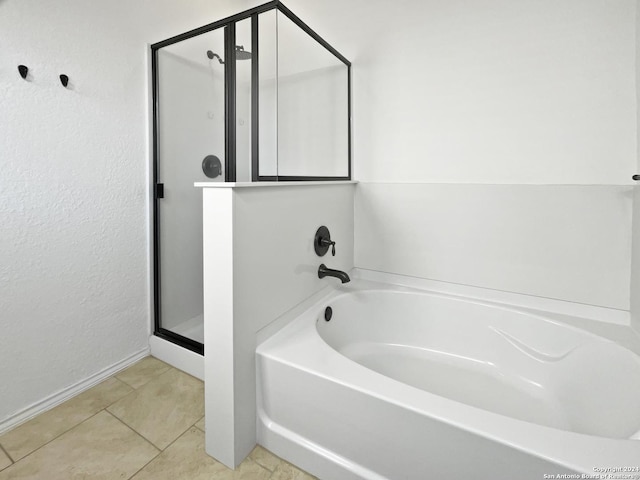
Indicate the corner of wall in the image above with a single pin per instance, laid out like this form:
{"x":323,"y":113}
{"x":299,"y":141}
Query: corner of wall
{"x":635,"y":263}
{"x":258,"y":246}
{"x":635,"y":224}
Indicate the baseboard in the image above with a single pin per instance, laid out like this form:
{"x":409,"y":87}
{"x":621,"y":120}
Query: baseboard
{"x":65,"y":394}
{"x":178,"y":357}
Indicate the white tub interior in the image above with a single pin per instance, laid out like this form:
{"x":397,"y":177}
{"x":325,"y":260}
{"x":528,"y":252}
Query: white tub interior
{"x":407,"y":383}
{"x":504,"y":361}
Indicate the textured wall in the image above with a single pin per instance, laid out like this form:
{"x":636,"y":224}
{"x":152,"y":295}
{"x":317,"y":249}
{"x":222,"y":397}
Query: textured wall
{"x":74,"y":294}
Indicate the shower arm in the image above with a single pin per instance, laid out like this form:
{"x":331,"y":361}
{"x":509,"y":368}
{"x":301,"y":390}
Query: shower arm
{"x":212,"y":55}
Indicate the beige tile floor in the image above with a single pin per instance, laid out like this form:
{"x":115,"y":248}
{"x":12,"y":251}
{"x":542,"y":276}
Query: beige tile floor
{"x":146,"y":422}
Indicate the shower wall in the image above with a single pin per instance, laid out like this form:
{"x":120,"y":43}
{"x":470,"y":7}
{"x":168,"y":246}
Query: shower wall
{"x":190,"y":95}
{"x":298,"y":147}
{"x":495,"y":143}
{"x":303,"y":103}
{"x":493,"y":102}
{"x":303,"y":148}
{"x":561,"y":242}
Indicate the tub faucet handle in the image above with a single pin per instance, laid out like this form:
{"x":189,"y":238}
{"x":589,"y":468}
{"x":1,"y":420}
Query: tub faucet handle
{"x":326,"y":243}
{"x":322,"y":241}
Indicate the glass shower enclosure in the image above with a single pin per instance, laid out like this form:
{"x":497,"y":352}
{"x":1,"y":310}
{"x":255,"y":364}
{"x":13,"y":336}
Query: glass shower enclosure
{"x":258,"y":96}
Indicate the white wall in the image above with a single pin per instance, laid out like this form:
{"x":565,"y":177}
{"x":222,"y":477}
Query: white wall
{"x":567,"y":243}
{"x":502,"y":92}
{"x":259,"y":263}
{"x":635,"y":257}
{"x":303,"y":103}
{"x":313,"y":123}
{"x":74,"y":273}
{"x":490,"y":93}
{"x":635,"y":263}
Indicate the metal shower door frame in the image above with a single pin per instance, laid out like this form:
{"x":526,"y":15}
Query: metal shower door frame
{"x":229,"y":25}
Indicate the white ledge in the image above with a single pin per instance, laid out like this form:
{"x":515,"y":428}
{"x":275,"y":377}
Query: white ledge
{"x":270,"y":184}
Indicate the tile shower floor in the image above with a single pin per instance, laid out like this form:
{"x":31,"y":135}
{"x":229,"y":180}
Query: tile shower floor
{"x":146,"y":422}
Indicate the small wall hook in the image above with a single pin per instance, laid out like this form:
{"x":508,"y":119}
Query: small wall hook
{"x":64,"y":80}
{"x":24,"y":71}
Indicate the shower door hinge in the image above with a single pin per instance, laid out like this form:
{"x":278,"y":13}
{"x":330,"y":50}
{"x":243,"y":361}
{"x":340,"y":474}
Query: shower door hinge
{"x":159,"y":190}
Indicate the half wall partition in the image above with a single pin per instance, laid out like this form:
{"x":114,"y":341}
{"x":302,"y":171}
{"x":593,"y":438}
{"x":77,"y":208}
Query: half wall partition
{"x":258,"y":96}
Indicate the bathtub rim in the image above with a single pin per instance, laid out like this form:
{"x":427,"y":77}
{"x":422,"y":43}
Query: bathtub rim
{"x":580,"y":452}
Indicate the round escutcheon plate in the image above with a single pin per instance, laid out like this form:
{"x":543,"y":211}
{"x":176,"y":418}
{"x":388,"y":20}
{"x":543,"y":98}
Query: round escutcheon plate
{"x":211,"y":166}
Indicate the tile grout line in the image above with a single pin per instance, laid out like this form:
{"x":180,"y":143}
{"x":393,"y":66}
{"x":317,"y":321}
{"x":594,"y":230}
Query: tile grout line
{"x":71,"y":428}
{"x":13,"y":462}
{"x":54,"y":439}
{"x":144,"y":438}
{"x":105,"y":409}
{"x":7,"y":454}
{"x":176,"y":439}
{"x":134,"y":431}
{"x":140,"y":386}
{"x":135,"y":390}
{"x":145,"y":465}
{"x":164,"y":449}
{"x":194,"y":425}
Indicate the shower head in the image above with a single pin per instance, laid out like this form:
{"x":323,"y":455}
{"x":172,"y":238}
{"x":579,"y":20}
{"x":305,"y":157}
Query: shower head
{"x":241,"y":53}
{"x":212,"y":55}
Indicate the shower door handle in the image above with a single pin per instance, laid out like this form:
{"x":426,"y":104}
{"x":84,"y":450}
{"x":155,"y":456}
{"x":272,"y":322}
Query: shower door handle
{"x":159,"y":190}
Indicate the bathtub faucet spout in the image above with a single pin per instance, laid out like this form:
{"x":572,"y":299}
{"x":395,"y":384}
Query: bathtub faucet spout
{"x":323,"y":271}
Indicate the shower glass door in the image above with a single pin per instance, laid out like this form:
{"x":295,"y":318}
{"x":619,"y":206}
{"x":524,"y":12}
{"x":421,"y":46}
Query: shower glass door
{"x":257,"y":96}
{"x":190,"y":147}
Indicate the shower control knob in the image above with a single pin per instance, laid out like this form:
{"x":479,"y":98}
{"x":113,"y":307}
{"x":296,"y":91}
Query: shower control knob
{"x":326,"y":243}
{"x":322,"y":242}
{"x":636,"y":177}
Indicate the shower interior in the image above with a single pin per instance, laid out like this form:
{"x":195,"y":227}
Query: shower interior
{"x":255,"y":97}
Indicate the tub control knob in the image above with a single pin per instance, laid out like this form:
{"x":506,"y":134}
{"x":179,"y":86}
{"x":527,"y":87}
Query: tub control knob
{"x":322,"y":242}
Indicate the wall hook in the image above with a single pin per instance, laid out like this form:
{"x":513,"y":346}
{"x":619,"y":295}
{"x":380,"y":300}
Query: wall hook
{"x":64,"y":80}
{"x":24,"y":71}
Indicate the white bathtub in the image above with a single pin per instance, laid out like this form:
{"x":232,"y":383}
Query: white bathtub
{"x":407,"y":384}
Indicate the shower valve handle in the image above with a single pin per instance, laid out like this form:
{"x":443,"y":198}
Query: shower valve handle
{"x":322,"y":241}
{"x":325,"y":242}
